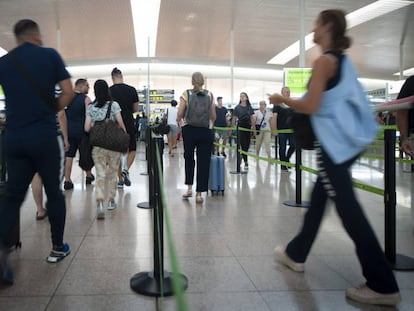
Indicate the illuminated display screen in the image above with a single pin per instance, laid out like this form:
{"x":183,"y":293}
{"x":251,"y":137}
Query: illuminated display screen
{"x":157,"y":96}
{"x":297,"y":80}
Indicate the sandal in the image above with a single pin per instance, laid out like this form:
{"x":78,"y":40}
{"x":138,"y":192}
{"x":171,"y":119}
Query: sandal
{"x":40,"y":217}
{"x":199,"y":198}
{"x":188,"y":194}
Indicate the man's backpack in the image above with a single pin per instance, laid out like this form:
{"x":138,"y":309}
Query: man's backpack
{"x":198,"y":108}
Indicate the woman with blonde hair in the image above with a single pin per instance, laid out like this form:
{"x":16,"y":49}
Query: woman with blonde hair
{"x":197,"y":112}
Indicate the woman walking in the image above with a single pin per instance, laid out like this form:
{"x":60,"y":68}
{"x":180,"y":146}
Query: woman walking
{"x":332,"y":90}
{"x":106,"y":161}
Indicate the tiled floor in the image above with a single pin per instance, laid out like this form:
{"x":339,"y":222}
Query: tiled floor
{"x":224,"y":246}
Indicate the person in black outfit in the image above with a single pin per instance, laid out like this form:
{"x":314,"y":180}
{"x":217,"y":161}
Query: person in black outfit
{"x":334,"y":178}
{"x":280,"y":121}
{"x":31,"y":138}
{"x":405,"y":118}
{"x":127,"y":98}
{"x":244,"y":115}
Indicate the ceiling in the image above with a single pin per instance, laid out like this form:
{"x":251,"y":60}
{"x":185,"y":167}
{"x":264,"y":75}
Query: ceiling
{"x":199,"y":32}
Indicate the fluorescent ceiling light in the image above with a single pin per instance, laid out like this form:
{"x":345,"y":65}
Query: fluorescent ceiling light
{"x":355,"y":18}
{"x":145,"y":19}
{"x":406,"y":72}
{"x":2,"y":51}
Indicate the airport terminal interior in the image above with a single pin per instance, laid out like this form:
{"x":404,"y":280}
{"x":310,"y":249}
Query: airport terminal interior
{"x":224,"y":246}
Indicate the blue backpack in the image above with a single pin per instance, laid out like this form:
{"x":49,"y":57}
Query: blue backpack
{"x":198,"y":108}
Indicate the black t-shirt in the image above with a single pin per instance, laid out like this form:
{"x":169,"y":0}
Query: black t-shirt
{"x":284,"y":116}
{"x":243,"y":114}
{"x":407,"y":90}
{"x":125,"y":96}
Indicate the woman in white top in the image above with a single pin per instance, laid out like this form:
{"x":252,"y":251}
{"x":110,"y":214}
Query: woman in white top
{"x":263,"y":134}
{"x":106,"y":161}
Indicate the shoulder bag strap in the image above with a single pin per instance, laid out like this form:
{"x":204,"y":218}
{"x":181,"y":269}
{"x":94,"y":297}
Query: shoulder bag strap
{"x":108,"y":112}
{"x":31,"y":81}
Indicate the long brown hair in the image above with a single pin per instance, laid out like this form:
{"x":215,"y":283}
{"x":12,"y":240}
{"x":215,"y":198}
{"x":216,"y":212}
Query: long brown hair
{"x":340,"y":41}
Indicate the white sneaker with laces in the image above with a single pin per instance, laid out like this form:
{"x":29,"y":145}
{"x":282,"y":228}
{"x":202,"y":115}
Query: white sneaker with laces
{"x":364,"y":294}
{"x":283,"y":258}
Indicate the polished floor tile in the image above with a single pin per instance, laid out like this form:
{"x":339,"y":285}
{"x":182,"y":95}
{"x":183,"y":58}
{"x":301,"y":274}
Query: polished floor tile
{"x":224,"y":246}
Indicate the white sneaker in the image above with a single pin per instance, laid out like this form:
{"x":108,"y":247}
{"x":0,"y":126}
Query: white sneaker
{"x":100,"y":211}
{"x":112,"y":205}
{"x":283,"y":258}
{"x":366,"y":295}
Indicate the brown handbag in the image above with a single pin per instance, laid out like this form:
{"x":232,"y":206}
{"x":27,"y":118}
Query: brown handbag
{"x":108,"y":135}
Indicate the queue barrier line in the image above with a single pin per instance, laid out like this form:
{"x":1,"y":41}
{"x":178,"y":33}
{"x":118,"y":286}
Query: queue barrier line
{"x":397,"y":261}
{"x":159,"y":283}
{"x":176,"y":275}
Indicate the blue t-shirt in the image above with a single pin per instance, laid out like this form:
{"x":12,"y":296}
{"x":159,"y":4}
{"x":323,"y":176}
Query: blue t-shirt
{"x":75,"y":115}
{"x":27,"y":114}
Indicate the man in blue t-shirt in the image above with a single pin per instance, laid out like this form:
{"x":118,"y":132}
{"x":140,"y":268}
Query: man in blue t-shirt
{"x":32,"y":142}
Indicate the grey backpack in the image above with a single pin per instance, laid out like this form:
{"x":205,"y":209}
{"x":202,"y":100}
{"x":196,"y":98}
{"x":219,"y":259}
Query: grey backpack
{"x":198,"y":108}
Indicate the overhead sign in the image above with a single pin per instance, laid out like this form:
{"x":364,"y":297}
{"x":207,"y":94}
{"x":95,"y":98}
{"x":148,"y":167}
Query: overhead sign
{"x":297,"y":80}
{"x":160,"y":96}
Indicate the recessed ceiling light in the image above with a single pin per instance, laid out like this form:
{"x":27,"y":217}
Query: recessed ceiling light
{"x":406,"y":72}
{"x":145,"y":16}
{"x":357,"y":17}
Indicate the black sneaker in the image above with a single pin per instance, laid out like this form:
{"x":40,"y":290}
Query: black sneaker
{"x":67,"y":185}
{"x":125,"y":175}
{"x":58,"y":253}
{"x":6,"y":273}
{"x":89,"y":179}
{"x":224,"y":154}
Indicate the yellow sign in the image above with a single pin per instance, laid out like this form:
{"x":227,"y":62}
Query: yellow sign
{"x":297,"y":80}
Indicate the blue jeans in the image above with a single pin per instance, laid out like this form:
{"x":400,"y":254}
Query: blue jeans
{"x":335,"y":181}
{"x":24,"y":158}
{"x":283,"y":139}
{"x":201,"y":140}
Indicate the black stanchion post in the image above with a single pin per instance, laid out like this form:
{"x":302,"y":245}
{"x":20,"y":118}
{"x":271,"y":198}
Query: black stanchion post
{"x":238,"y":155}
{"x":298,"y":200}
{"x":147,"y":148}
{"x":150,"y":169}
{"x":397,"y":261}
{"x":157,"y":283}
{"x":276,"y":147}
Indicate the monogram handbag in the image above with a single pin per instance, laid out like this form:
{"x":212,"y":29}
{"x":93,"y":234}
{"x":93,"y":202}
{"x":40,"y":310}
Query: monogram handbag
{"x":108,"y":135}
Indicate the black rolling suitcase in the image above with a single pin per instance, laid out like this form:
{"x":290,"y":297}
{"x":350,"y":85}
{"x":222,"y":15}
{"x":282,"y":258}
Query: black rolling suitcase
{"x":13,"y":240}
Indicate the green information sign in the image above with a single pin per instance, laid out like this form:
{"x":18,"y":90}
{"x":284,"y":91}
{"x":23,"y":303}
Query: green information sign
{"x":297,"y":80}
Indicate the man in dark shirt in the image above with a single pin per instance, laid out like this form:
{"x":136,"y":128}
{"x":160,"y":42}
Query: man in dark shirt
{"x":127,"y":98}
{"x":221,"y":121}
{"x":28,"y":75}
{"x":405,"y":118}
{"x":75,"y":115}
{"x":280,"y":121}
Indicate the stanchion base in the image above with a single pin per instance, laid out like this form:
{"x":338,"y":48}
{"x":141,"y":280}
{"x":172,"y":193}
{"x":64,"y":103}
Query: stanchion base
{"x":295,"y":204}
{"x":403,"y":263}
{"x":145,"y":283}
{"x":236,"y":172}
{"x":145,"y":205}
{"x":144,"y":174}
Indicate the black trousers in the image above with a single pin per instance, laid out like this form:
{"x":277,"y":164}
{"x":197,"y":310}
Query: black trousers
{"x":24,"y":158}
{"x":199,"y":139}
{"x":335,"y":181}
